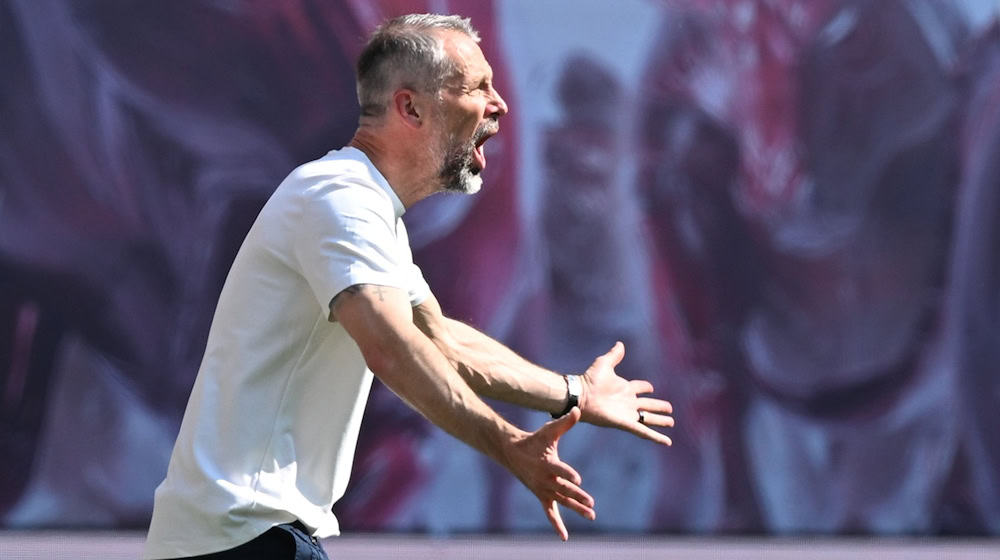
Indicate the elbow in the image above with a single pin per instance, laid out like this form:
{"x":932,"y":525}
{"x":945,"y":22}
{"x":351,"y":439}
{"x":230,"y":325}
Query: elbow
{"x":379,"y":360}
{"x":388,"y":356}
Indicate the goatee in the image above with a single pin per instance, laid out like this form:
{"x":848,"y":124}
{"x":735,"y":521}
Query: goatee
{"x":459,"y":172}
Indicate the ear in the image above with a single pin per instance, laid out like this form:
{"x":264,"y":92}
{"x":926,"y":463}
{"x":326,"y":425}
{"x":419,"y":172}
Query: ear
{"x":408,"y":107}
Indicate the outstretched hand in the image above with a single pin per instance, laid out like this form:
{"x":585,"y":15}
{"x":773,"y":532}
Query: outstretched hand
{"x":612,"y":401}
{"x":535,"y":461}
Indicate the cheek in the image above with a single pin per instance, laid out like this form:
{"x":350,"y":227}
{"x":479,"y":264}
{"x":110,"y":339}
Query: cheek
{"x":469,"y":126}
{"x":472,"y":114}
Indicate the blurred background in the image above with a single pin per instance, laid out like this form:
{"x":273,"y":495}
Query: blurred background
{"x":788,"y":210}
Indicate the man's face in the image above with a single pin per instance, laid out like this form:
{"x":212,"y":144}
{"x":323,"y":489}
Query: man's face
{"x":468,"y":115}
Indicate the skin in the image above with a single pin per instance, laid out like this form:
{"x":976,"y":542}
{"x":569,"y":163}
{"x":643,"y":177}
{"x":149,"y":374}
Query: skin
{"x":407,"y":143}
{"x":440,"y":366}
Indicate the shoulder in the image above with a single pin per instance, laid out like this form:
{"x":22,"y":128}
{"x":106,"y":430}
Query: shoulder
{"x":344,"y":185}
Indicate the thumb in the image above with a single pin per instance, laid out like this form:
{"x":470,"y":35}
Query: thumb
{"x":556,"y":428}
{"x":616,"y":354}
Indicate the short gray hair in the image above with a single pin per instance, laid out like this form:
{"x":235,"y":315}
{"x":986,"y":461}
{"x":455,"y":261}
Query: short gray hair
{"x":406,"y":52}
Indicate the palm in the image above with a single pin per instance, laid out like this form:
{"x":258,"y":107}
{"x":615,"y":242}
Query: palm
{"x":612,"y":401}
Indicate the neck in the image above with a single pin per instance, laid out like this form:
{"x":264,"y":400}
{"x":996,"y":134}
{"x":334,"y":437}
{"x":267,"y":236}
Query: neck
{"x":409,"y":171}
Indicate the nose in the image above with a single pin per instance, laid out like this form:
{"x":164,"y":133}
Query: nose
{"x":497,"y":106}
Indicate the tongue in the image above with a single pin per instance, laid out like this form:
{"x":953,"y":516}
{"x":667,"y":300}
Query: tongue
{"x":480,"y":157}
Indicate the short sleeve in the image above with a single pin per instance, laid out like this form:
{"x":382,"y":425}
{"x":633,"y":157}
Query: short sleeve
{"x":417,"y":286}
{"x":347,"y":235}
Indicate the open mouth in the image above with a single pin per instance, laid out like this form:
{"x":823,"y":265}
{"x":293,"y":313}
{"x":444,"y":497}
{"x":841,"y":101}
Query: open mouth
{"x":484,"y":133}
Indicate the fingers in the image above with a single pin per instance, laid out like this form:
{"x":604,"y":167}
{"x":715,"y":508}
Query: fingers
{"x":640,"y":386}
{"x":563,"y":470}
{"x":646,"y":432}
{"x":575,"y":498}
{"x":581,"y":509}
{"x":646,"y":419}
{"x":552,"y":512}
{"x":656,"y":405}
{"x":659,"y":420}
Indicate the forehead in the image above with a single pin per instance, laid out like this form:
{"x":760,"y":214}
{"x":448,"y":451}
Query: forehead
{"x":466,"y":54}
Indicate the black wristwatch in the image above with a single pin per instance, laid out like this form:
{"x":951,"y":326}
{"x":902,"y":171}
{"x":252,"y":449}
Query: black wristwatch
{"x":573,"y":390}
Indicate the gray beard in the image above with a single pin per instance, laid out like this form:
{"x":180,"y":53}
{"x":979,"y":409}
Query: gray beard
{"x":459,"y":173}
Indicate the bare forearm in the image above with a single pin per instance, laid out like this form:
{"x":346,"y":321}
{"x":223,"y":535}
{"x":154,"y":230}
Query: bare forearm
{"x":406,"y":361}
{"x":419,"y":374}
{"x":495,"y":371}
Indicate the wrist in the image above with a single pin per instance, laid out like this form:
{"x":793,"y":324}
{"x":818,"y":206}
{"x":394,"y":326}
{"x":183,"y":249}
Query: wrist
{"x":574,"y":392}
{"x":506,"y":446}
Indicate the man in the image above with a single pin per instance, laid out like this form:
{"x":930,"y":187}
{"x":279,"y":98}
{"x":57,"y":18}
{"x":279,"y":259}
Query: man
{"x":323,"y":293}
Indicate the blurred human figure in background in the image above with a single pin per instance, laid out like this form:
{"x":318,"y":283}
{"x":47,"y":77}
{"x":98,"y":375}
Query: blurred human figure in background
{"x":811,"y":247}
{"x":840,"y":344}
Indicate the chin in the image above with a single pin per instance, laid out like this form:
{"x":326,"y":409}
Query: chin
{"x":473,"y":184}
{"x":466,"y":183}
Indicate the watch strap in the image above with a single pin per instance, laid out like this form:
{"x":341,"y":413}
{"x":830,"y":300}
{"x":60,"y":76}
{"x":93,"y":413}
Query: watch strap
{"x":574,"y":387}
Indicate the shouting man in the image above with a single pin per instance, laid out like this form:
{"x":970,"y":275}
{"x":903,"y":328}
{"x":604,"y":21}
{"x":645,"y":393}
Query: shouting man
{"x":324,"y":293}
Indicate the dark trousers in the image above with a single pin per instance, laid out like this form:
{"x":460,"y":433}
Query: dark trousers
{"x":281,"y":542}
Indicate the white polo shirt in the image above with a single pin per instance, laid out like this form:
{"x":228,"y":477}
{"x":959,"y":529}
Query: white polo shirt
{"x":271,"y":426}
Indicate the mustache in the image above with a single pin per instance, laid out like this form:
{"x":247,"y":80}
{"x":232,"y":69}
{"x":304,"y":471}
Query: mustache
{"x":485,"y":129}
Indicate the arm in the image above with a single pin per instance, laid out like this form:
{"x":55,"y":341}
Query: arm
{"x":380,"y":321}
{"x":495,"y":371}
{"x":489,"y":367}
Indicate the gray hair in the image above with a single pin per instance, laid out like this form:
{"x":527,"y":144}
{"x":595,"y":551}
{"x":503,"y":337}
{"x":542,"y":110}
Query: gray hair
{"x":406,"y":52}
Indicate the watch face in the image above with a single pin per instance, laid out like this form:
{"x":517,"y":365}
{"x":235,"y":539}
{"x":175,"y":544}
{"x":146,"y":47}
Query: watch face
{"x":574,"y":386}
